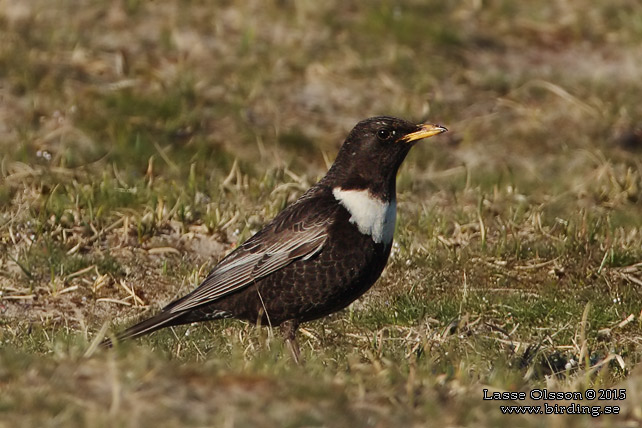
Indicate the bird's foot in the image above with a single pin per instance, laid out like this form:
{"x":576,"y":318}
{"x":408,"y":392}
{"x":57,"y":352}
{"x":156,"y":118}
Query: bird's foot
{"x":288,"y":330}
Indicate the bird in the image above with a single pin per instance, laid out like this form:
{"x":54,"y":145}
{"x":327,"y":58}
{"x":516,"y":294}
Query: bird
{"x":317,"y":255}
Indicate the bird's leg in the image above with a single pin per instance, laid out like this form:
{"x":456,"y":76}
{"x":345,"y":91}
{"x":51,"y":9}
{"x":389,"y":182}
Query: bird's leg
{"x":288,"y":330}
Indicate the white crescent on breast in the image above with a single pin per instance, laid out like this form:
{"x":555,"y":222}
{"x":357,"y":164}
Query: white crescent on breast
{"x":371,"y":215}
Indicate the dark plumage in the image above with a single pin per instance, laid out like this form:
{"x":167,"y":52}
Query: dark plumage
{"x":317,"y":255}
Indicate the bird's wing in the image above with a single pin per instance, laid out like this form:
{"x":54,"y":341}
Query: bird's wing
{"x":298,"y":232}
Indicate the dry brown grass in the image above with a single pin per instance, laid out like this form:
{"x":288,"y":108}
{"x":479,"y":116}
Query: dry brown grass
{"x":141,"y":141}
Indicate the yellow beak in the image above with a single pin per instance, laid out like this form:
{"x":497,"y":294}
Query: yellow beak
{"x":427,"y":130}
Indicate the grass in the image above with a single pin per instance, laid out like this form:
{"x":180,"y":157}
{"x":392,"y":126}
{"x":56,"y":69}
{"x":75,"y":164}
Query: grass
{"x":141,"y":143}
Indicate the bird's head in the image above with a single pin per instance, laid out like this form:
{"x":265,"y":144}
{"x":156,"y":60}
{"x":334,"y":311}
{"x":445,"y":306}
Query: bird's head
{"x":374,"y":150}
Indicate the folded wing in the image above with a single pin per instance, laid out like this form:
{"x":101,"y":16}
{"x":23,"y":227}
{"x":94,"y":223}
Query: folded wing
{"x":298,"y":232}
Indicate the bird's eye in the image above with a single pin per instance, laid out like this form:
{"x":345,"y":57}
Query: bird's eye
{"x":383,"y":134}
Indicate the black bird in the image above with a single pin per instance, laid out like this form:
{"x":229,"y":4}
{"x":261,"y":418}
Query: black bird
{"x":317,"y":255}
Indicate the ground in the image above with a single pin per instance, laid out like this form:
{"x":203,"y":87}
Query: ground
{"x":140,"y":142}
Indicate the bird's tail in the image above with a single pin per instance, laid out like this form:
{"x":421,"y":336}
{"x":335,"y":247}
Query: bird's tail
{"x":164,"y":319}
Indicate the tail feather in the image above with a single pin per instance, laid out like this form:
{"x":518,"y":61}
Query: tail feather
{"x":164,"y":319}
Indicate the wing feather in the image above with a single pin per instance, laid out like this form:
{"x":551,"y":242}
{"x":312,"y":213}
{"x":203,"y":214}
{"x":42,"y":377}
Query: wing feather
{"x":298,"y":232}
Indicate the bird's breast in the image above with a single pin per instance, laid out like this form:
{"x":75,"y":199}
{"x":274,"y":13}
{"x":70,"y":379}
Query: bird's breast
{"x":371,"y":215}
